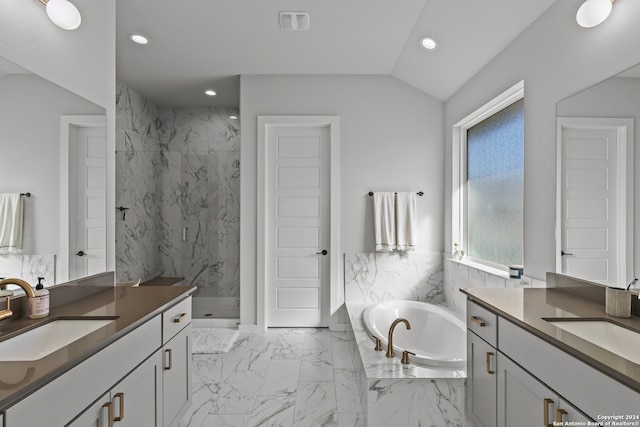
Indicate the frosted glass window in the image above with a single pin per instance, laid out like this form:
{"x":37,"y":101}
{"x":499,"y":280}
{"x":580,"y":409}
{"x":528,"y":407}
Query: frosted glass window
{"x":495,"y":166}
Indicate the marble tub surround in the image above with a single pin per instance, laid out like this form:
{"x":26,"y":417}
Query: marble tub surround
{"x":29,"y":268}
{"x":378,"y":366}
{"x":459,"y":274}
{"x":416,"y":395}
{"x":374,"y":277}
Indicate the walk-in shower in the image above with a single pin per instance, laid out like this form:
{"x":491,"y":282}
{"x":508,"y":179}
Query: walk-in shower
{"x":178,"y":173}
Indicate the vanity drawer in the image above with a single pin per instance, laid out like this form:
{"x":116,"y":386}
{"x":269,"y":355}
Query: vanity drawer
{"x":175,"y":319}
{"x":483,"y":322}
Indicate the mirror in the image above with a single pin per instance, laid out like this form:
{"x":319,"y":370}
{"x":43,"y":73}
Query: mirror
{"x":50,"y":140}
{"x":597,"y":225}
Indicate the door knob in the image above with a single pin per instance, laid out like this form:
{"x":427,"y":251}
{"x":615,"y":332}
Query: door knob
{"x":563,"y":253}
{"x":324,"y":252}
{"x":80,"y":253}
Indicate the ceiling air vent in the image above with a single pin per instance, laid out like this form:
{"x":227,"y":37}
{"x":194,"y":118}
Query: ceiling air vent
{"x":294,"y":21}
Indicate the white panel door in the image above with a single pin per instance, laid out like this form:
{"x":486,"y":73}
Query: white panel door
{"x":589,"y":204}
{"x":90,"y":202}
{"x":297,"y":210}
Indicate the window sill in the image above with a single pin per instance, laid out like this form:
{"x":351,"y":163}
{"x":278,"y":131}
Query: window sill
{"x":482,"y":267}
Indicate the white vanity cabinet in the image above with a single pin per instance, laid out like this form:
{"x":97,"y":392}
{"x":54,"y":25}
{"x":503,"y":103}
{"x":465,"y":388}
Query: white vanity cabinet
{"x":176,"y":364}
{"x":500,"y":392}
{"x":482,"y":338}
{"x":132,"y":402}
{"x":526,"y":402}
{"x":481,"y":381}
{"x":141,"y":380}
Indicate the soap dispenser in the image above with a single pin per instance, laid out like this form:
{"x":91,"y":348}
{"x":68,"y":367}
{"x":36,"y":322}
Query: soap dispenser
{"x":39,"y":306}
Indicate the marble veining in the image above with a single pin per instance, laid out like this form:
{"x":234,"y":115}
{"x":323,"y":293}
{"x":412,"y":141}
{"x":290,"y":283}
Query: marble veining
{"x":178,"y":172}
{"x":200,"y":193}
{"x":374,"y":277}
{"x":458,"y":275}
{"x":413,"y":395}
{"x":29,"y":268}
{"x":137,"y":172}
{"x":259,"y":383}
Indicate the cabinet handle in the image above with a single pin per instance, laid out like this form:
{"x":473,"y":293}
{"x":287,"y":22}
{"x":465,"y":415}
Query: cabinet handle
{"x":169,"y":352}
{"x":120,"y":397}
{"x":559,"y":414}
{"x":109,"y":407}
{"x":478,"y":322}
{"x":489,"y":371}
{"x":545,"y":412}
{"x":179,"y":318}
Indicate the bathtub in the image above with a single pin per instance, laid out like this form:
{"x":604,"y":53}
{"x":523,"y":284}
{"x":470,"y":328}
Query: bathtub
{"x":437,"y":336}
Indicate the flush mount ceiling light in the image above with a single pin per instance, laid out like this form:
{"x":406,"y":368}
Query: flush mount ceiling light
{"x":294,"y":21}
{"x":210,"y":92}
{"x":593,"y":12}
{"x":63,"y":13}
{"x":428,"y":43}
{"x":138,"y":38}
{"x":233,"y":117}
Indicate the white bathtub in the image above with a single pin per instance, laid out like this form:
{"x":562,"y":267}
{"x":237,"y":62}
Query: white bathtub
{"x":437,"y":336}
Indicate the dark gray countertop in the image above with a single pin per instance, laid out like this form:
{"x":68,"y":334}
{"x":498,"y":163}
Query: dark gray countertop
{"x":132,"y":306}
{"x":529,"y":307}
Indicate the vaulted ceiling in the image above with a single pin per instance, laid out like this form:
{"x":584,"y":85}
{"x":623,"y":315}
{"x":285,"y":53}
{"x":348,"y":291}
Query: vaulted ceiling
{"x":197,"y":44}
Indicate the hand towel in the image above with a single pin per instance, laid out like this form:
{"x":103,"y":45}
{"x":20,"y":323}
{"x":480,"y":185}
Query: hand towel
{"x":384,"y":221}
{"x":11,"y":219}
{"x":406,"y":222}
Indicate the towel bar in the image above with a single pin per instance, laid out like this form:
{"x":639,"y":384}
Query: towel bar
{"x":420,"y":193}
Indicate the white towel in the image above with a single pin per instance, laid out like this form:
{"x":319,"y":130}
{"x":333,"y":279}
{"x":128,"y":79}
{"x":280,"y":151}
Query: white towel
{"x":384,"y":221}
{"x":406,"y":222}
{"x":11,"y":219}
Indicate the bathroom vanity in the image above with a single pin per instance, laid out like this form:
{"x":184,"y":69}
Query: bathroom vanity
{"x":525,"y":368}
{"x":134,"y":371}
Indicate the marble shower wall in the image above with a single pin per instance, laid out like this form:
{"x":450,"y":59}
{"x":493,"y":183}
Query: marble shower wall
{"x":138,"y":170}
{"x":177,"y":168}
{"x":199,"y":192}
{"x":373,"y":277}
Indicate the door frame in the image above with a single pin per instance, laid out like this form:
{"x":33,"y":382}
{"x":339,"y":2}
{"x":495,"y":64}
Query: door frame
{"x":67,"y":215}
{"x":265,"y":123}
{"x":624,"y":128}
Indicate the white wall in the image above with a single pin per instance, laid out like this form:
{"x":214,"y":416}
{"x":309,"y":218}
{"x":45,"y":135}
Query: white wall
{"x":556,"y":58}
{"x":30,"y":151}
{"x":391,"y":140}
{"x":82,"y":61}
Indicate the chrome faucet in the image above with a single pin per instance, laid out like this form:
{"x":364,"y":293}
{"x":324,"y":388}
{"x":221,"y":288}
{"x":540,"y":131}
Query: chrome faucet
{"x":390,"y":352}
{"x":6,"y":313}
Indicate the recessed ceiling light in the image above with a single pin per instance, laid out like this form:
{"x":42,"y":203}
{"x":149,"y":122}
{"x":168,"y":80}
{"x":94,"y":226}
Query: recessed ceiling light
{"x":233,"y":117}
{"x":428,"y":43}
{"x":138,"y":38}
{"x":210,"y":92}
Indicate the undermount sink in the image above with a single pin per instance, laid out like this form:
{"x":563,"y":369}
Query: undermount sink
{"x":44,"y":340}
{"x":605,"y":334}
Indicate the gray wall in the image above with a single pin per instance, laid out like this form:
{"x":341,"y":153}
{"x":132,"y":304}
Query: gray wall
{"x":82,"y":61}
{"x":391,"y":140}
{"x":30,"y":110}
{"x":556,"y":58}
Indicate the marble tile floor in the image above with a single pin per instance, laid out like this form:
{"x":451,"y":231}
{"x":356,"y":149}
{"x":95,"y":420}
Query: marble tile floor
{"x":280,"y":377}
